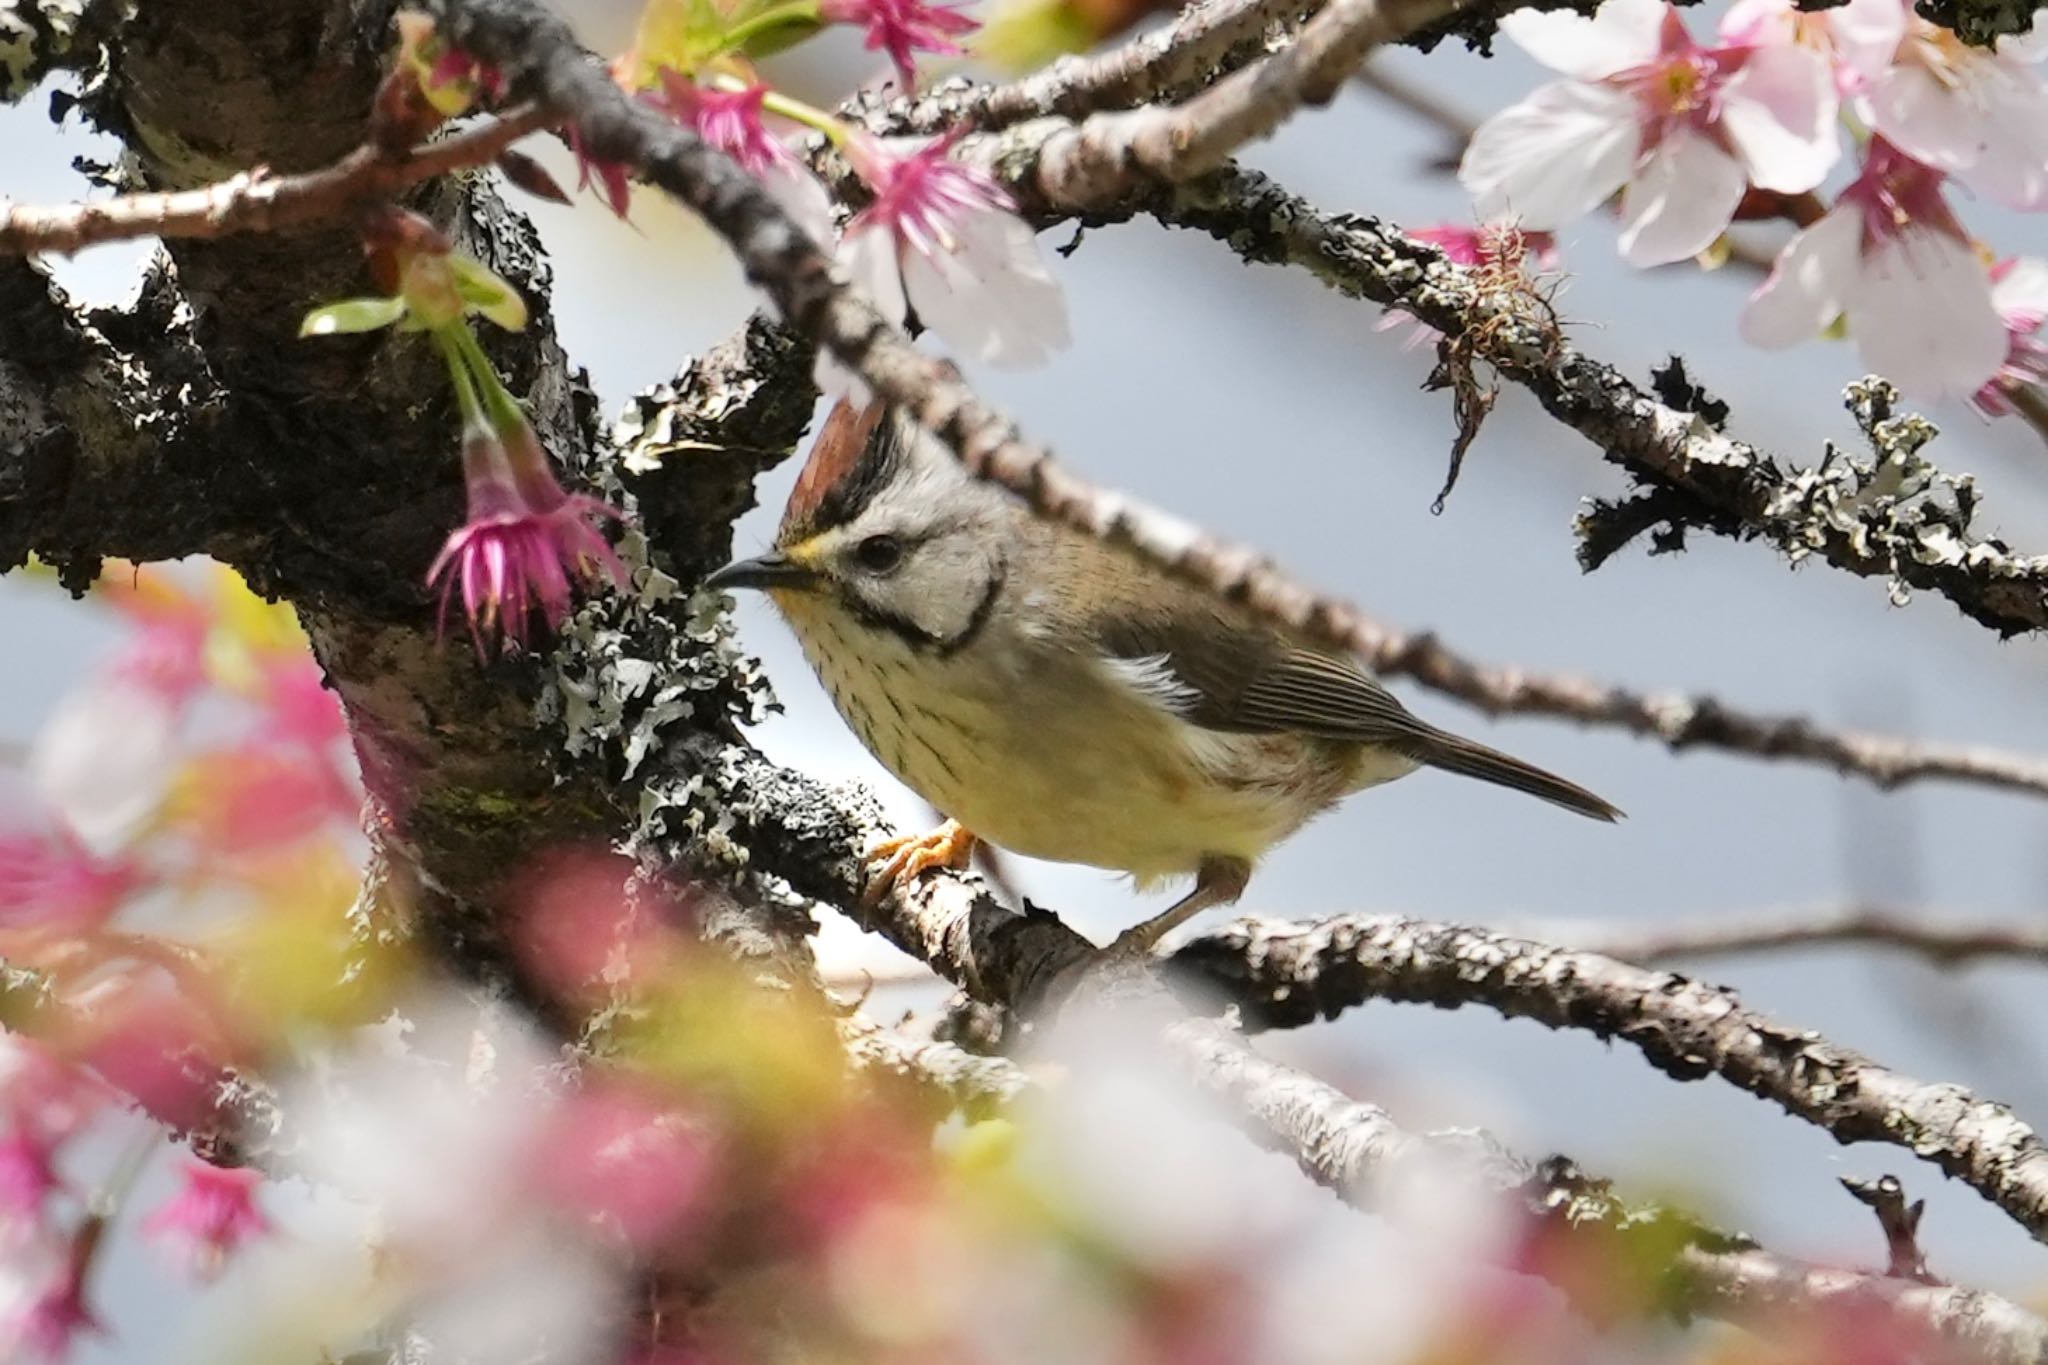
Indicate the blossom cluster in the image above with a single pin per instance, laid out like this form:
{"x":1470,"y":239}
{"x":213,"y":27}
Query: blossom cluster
{"x":1694,"y":136}
{"x":525,"y":540}
{"x":200,"y":781}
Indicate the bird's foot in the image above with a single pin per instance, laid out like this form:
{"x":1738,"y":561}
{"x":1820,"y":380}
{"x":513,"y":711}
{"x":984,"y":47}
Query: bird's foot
{"x":907,"y":857}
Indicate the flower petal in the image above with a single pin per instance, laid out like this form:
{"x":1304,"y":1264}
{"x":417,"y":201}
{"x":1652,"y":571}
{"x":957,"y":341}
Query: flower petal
{"x":1923,"y":317}
{"x":992,"y":299}
{"x":2023,"y":289}
{"x":1620,"y":35}
{"x":1813,"y":280}
{"x":1924,"y":118}
{"x":2012,"y":165}
{"x":106,"y":760}
{"x":1557,"y":155}
{"x":1682,"y":198}
{"x":1867,"y":35}
{"x":1780,"y":110}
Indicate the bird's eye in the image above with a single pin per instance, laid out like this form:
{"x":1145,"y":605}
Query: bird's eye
{"x":879,"y":554}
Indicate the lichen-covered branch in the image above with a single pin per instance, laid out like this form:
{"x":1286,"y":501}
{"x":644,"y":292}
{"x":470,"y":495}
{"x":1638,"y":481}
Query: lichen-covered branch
{"x":1892,"y":515}
{"x":1281,"y":973}
{"x":39,"y":37}
{"x":106,"y":431}
{"x":812,"y":836}
{"x":945,"y":1067}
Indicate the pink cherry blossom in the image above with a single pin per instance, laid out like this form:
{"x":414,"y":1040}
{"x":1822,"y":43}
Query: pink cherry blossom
{"x":53,"y":1314}
{"x":28,"y":1176}
{"x":50,"y":879}
{"x":1892,"y":258}
{"x":523,"y":542}
{"x":944,"y":238}
{"x":299,"y":709}
{"x":47,"y":1099}
{"x":211,"y":1216}
{"x":1858,"y":38}
{"x":160,"y":1048}
{"x":733,"y":122}
{"x":612,"y":180}
{"x":617,"y":1156}
{"x":1681,"y":129}
{"x":1979,"y":114}
{"x":2019,"y":291}
{"x":903,"y":28}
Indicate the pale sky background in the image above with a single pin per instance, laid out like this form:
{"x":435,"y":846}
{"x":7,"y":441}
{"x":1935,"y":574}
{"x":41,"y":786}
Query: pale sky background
{"x":1258,"y":403}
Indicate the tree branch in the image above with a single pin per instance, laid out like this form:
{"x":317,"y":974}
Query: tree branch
{"x":1111,"y":153}
{"x":812,"y":836}
{"x":1947,"y":941}
{"x":1282,"y":974}
{"x":1170,"y":60}
{"x":38,"y":37}
{"x":256,"y":201}
{"x":1899,"y":518}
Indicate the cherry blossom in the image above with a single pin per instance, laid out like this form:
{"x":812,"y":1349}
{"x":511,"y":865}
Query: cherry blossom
{"x":212,"y":1215}
{"x":733,"y":122}
{"x":1979,"y":114}
{"x":944,"y":238}
{"x":28,"y":1176}
{"x":1858,"y":38}
{"x":902,"y":28}
{"x":54,"y":1313}
{"x":524,"y":540}
{"x":2019,"y":291}
{"x":106,"y":758}
{"x":51,"y":879}
{"x":1891,"y":257}
{"x":1681,"y":129}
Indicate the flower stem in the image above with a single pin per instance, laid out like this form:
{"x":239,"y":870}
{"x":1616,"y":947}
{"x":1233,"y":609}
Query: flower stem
{"x":499,"y":405}
{"x":796,"y":111}
{"x":445,"y":340}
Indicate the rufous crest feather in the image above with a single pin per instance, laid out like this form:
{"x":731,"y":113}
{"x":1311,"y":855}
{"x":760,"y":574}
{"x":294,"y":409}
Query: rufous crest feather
{"x":845,"y":467}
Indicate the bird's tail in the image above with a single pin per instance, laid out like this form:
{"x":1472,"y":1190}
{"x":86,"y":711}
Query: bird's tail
{"x":1463,"y":756}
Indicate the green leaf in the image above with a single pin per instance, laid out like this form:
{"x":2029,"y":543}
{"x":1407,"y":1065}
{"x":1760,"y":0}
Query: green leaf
{"x":352,"y":315}
{"x":485,"y":293}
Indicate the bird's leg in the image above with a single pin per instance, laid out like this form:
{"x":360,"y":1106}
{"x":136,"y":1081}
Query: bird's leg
{"x":910,"y":856}
{"x":1219,"y":881}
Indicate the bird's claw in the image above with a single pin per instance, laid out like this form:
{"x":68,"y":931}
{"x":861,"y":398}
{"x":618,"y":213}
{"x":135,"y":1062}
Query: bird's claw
{"x":907,"y":857}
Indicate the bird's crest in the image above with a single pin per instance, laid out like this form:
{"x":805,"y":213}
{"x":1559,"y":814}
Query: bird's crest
{"x":849,"y":463}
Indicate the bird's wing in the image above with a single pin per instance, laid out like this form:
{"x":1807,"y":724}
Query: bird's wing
{"x":1222,"y":673}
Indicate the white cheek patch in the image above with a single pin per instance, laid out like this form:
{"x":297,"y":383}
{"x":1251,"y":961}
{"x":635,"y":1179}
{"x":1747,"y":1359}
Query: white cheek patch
{"x":1152,"y":678}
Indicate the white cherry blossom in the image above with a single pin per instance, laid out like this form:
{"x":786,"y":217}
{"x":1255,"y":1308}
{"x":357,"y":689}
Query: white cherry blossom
{"x":1682,"y":130}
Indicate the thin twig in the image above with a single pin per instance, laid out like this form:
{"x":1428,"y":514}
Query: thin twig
{"x":1279,"y":972}
{"x":1169,"y":60}
{"x":1112,"y":154}
{"x":1946,"y":941}
{"x":256,"y":201}
{"x":1899,"y":1221}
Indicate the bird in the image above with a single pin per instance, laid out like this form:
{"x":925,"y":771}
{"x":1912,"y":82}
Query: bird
{"x":1052,"y":694}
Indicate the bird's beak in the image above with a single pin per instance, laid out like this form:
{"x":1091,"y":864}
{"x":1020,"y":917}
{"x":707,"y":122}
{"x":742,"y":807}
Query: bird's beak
{"x":772,"y":570}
